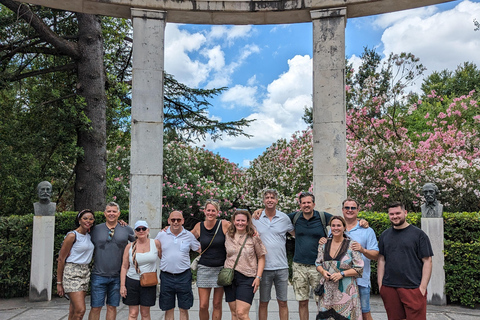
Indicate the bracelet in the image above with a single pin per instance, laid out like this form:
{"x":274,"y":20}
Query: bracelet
{"x":259,"y":277}
{"x":59,"y":282}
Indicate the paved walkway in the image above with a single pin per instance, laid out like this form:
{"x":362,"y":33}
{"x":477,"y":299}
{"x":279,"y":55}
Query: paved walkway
{"x":21,"y":308}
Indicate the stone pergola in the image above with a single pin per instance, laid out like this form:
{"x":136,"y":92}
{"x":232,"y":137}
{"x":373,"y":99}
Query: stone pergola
{"x":328,"y":19}
{"x":149,"y":17}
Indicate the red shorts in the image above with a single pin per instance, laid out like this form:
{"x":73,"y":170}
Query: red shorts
{"x":402,"y":303}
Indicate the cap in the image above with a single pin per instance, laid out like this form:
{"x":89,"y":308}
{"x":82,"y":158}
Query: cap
{"x":141,"y":223}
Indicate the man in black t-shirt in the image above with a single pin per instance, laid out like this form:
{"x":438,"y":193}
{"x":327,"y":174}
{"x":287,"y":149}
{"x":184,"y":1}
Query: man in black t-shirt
{"x":404,"y":267}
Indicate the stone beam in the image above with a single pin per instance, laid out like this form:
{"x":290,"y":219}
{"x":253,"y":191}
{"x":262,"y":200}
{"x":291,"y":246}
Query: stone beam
{"x":235,"y":11}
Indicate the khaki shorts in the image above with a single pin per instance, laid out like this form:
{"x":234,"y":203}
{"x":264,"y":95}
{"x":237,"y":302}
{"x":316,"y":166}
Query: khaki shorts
{"x":305,"y":278}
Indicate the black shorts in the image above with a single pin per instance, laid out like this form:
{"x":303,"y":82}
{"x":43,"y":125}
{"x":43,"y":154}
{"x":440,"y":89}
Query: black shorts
{"x":240,"y":289}
{"x":138,"y":295}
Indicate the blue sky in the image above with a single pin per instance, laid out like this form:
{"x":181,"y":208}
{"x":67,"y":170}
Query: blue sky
{"x":268,"y":68}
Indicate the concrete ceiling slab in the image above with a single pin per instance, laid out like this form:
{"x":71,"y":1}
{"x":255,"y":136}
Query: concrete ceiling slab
{"x":234,"y":11}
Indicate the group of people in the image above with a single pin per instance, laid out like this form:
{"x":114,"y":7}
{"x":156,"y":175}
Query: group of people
{"x":335,"y":264}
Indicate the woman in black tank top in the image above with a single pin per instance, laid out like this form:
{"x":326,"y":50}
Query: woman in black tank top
{"x":211,"y":234}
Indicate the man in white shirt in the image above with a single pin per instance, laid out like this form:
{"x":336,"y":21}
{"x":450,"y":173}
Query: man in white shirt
{"x":176,"y":276}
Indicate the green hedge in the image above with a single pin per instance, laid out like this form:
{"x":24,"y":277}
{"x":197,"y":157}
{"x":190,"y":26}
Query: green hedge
{"x":462,"y":251}
{"x":16,"y":249}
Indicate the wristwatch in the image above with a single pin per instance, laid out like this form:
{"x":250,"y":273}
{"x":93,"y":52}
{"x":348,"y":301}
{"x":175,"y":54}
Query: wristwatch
{"x":342,"y":273}
{"x":259,"y":277}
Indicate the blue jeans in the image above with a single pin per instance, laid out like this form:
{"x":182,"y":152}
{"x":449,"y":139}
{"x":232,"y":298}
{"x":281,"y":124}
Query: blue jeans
{"x":102,"y":287}
{"x":364,"y":298}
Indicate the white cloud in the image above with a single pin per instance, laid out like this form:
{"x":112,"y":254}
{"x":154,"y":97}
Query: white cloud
{"x":442,"y":40}
{"x":216,"y":58}
{"x":240,"y":96}
{"x":222,"y":77}
{"x":356,"y":62}
{"x":386,"y":20}
{"x":246,"y":163}
{"x":279,"y":115}
{"x":198,"y":60}
{"x":230,"y":34}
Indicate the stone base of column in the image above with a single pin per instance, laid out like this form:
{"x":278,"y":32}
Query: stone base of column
{"x":42,"y":258}
{"x":433,"y":227}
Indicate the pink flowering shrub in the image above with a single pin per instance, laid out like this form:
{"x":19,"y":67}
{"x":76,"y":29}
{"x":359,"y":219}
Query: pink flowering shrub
{"x":387,"y":162}
{"x":285,"y":166}
{"x":191,"y":176}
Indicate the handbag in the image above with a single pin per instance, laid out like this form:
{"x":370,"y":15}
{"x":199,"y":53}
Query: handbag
{"x":148,"y":279}
{"x":194,"y":264}
{"x":319,"y":290}
{"x":225,"y":277}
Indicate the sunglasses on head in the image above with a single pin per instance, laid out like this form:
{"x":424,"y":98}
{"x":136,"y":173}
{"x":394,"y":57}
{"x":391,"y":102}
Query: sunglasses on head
{"x":175,"y":220}
{"x":141,"y":229}
{"x":350,"y":208}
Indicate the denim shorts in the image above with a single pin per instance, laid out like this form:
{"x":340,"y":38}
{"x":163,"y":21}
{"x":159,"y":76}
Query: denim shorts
{"x":105,"y":287}
{"x":177,"y":286}
{"x":277,"y":277}
{"x":364,"y":298}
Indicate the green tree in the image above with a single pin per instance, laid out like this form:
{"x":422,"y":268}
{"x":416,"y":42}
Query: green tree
{"x":67,"y":91}
{"x":380,"y":83}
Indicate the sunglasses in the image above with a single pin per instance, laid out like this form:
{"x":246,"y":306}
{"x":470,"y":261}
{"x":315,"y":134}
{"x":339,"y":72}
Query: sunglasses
{"x":213,"y":200}
{"x":175,"y":220}
{"x":111,"y":234}
{"x":141,"y":229}
{"x":350,"y":208}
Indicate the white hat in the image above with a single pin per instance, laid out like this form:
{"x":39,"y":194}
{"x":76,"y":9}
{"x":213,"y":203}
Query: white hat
{"x":141,"y":223}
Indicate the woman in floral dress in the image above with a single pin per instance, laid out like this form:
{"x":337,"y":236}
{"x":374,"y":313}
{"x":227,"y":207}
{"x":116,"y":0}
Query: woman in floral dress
{"x":339,"y":265}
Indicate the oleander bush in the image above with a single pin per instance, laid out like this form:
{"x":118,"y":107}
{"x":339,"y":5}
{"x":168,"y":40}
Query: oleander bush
{"x":462,"y":251}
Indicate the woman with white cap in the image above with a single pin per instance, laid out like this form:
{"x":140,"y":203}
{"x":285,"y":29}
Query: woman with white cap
{"x":139,"y":257}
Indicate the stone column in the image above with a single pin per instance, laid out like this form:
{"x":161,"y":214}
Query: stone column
{"x":146,"y":162}
{"x":433,"y":227}
{"x":41,"y":268}
{"x":329,"y":131}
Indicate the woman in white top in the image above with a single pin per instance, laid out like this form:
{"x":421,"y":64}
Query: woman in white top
{"x":141,"y":255}
{"x":73,"y":272}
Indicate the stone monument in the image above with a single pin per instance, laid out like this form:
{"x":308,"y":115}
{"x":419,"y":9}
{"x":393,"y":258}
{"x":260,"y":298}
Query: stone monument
{"x":44,"y":207}
{"x":431,"y":208}
{"x":42,"y":245}
{"x":432,"y":224}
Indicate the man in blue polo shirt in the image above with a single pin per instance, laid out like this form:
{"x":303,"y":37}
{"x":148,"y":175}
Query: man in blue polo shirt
{"x":308,"y":230}
{"x":366,"y":244}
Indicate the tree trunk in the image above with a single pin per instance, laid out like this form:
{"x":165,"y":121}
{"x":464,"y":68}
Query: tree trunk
{"x":90,"y":169}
